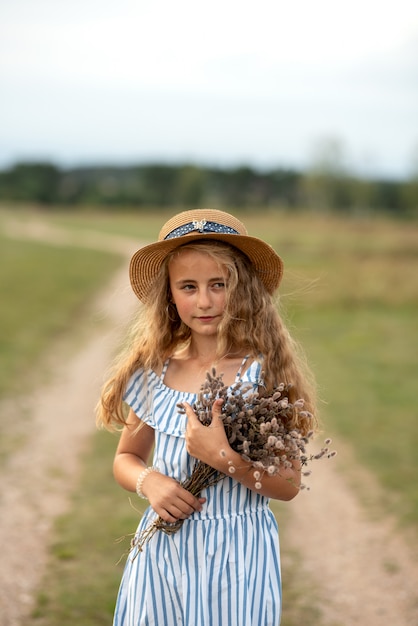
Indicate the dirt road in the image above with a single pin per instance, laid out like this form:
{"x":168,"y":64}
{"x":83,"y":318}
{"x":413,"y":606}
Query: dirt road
{"x":364,"y":571}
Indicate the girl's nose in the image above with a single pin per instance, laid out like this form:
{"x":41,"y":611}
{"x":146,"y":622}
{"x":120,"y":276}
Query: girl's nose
{"x":203,"y":300}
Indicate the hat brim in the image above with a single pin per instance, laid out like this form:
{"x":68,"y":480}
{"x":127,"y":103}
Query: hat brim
{"x":147,"y":261}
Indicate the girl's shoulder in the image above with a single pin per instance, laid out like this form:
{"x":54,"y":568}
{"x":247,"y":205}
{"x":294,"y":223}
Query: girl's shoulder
{"x":140,"y":375}
{"x":140,"y":383}
{"x":155,"y":404}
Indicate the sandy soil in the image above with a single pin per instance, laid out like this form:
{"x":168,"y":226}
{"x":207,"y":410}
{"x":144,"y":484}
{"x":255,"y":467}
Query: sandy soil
{"x":364,"y":571}
{"x":363,"y":568}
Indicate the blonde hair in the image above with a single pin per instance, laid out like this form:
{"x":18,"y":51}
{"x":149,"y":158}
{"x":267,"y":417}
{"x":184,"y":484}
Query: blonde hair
{"x":251,"y":323}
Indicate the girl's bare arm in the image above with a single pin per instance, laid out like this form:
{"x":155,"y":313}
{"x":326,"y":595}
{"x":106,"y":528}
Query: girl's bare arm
{"x":166,"y":496}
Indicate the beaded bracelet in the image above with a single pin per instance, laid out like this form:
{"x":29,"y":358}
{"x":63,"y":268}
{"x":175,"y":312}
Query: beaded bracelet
{"x":141,"y":479}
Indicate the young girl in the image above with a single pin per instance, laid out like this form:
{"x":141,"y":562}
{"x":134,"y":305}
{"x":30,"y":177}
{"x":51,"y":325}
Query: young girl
{"x":206,"y":288}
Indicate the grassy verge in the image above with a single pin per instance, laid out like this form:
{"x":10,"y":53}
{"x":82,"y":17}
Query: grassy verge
{"x":44,"y":293}
{"x":368,"y":371}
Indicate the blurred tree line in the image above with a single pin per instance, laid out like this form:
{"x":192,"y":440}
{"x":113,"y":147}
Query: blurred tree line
{"x":325,"y":186}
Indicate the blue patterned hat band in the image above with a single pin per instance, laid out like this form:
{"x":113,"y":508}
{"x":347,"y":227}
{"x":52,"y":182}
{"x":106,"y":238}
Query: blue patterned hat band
{"x":202,"y":226}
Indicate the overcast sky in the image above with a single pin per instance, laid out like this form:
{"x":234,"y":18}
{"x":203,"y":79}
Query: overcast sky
{"x":223,"y":82}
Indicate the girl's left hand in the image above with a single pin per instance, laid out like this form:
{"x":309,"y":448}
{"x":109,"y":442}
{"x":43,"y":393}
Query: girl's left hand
{"x":206,"y":442}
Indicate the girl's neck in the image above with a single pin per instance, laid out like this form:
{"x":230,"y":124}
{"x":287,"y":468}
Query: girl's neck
{"x":204,"y":353}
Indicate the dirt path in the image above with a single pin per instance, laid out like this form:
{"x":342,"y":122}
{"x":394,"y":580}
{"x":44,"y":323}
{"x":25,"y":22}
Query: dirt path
{"x":364,"y":571}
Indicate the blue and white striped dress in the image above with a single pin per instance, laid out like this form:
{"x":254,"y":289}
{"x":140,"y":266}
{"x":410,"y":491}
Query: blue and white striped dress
{"x":222,"y":568}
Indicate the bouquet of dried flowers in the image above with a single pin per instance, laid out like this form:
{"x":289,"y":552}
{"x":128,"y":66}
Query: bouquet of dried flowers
{"x":258,"y":427}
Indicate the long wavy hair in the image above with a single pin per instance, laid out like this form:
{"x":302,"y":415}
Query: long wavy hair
{"x":251,"y":323}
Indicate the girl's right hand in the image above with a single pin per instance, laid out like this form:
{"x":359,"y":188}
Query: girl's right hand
{"x":169,"y":499}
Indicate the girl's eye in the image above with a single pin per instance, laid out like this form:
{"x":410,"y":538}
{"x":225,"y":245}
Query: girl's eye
{"x":218,"y":285}
{"x":188,"y":287}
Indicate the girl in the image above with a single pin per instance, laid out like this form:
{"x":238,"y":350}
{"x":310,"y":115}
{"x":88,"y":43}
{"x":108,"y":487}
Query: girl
{"x":206,"y":288}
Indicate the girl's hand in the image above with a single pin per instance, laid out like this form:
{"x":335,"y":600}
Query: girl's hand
{"x":206,"y":442}
{"x":169,"y":499}
{"x":210,"y":445}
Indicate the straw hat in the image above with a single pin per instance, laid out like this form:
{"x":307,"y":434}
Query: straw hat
{"x":203,"y":224}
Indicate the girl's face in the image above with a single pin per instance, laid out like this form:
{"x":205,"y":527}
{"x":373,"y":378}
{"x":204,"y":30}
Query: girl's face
{"x":198,"y":288}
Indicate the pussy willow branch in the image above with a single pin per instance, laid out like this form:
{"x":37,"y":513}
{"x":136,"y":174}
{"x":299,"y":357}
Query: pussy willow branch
{"x":258,"y":427}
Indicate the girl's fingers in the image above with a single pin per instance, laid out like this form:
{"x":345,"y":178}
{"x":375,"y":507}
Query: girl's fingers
{"x":179,"y":510}
{"x":216,"y":412}
{"x":167,"y":517}
{"x":190,"y":414}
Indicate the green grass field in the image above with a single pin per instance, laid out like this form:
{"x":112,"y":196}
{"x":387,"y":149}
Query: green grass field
{"x":44,"y":290}
{"x":350,"y":295}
